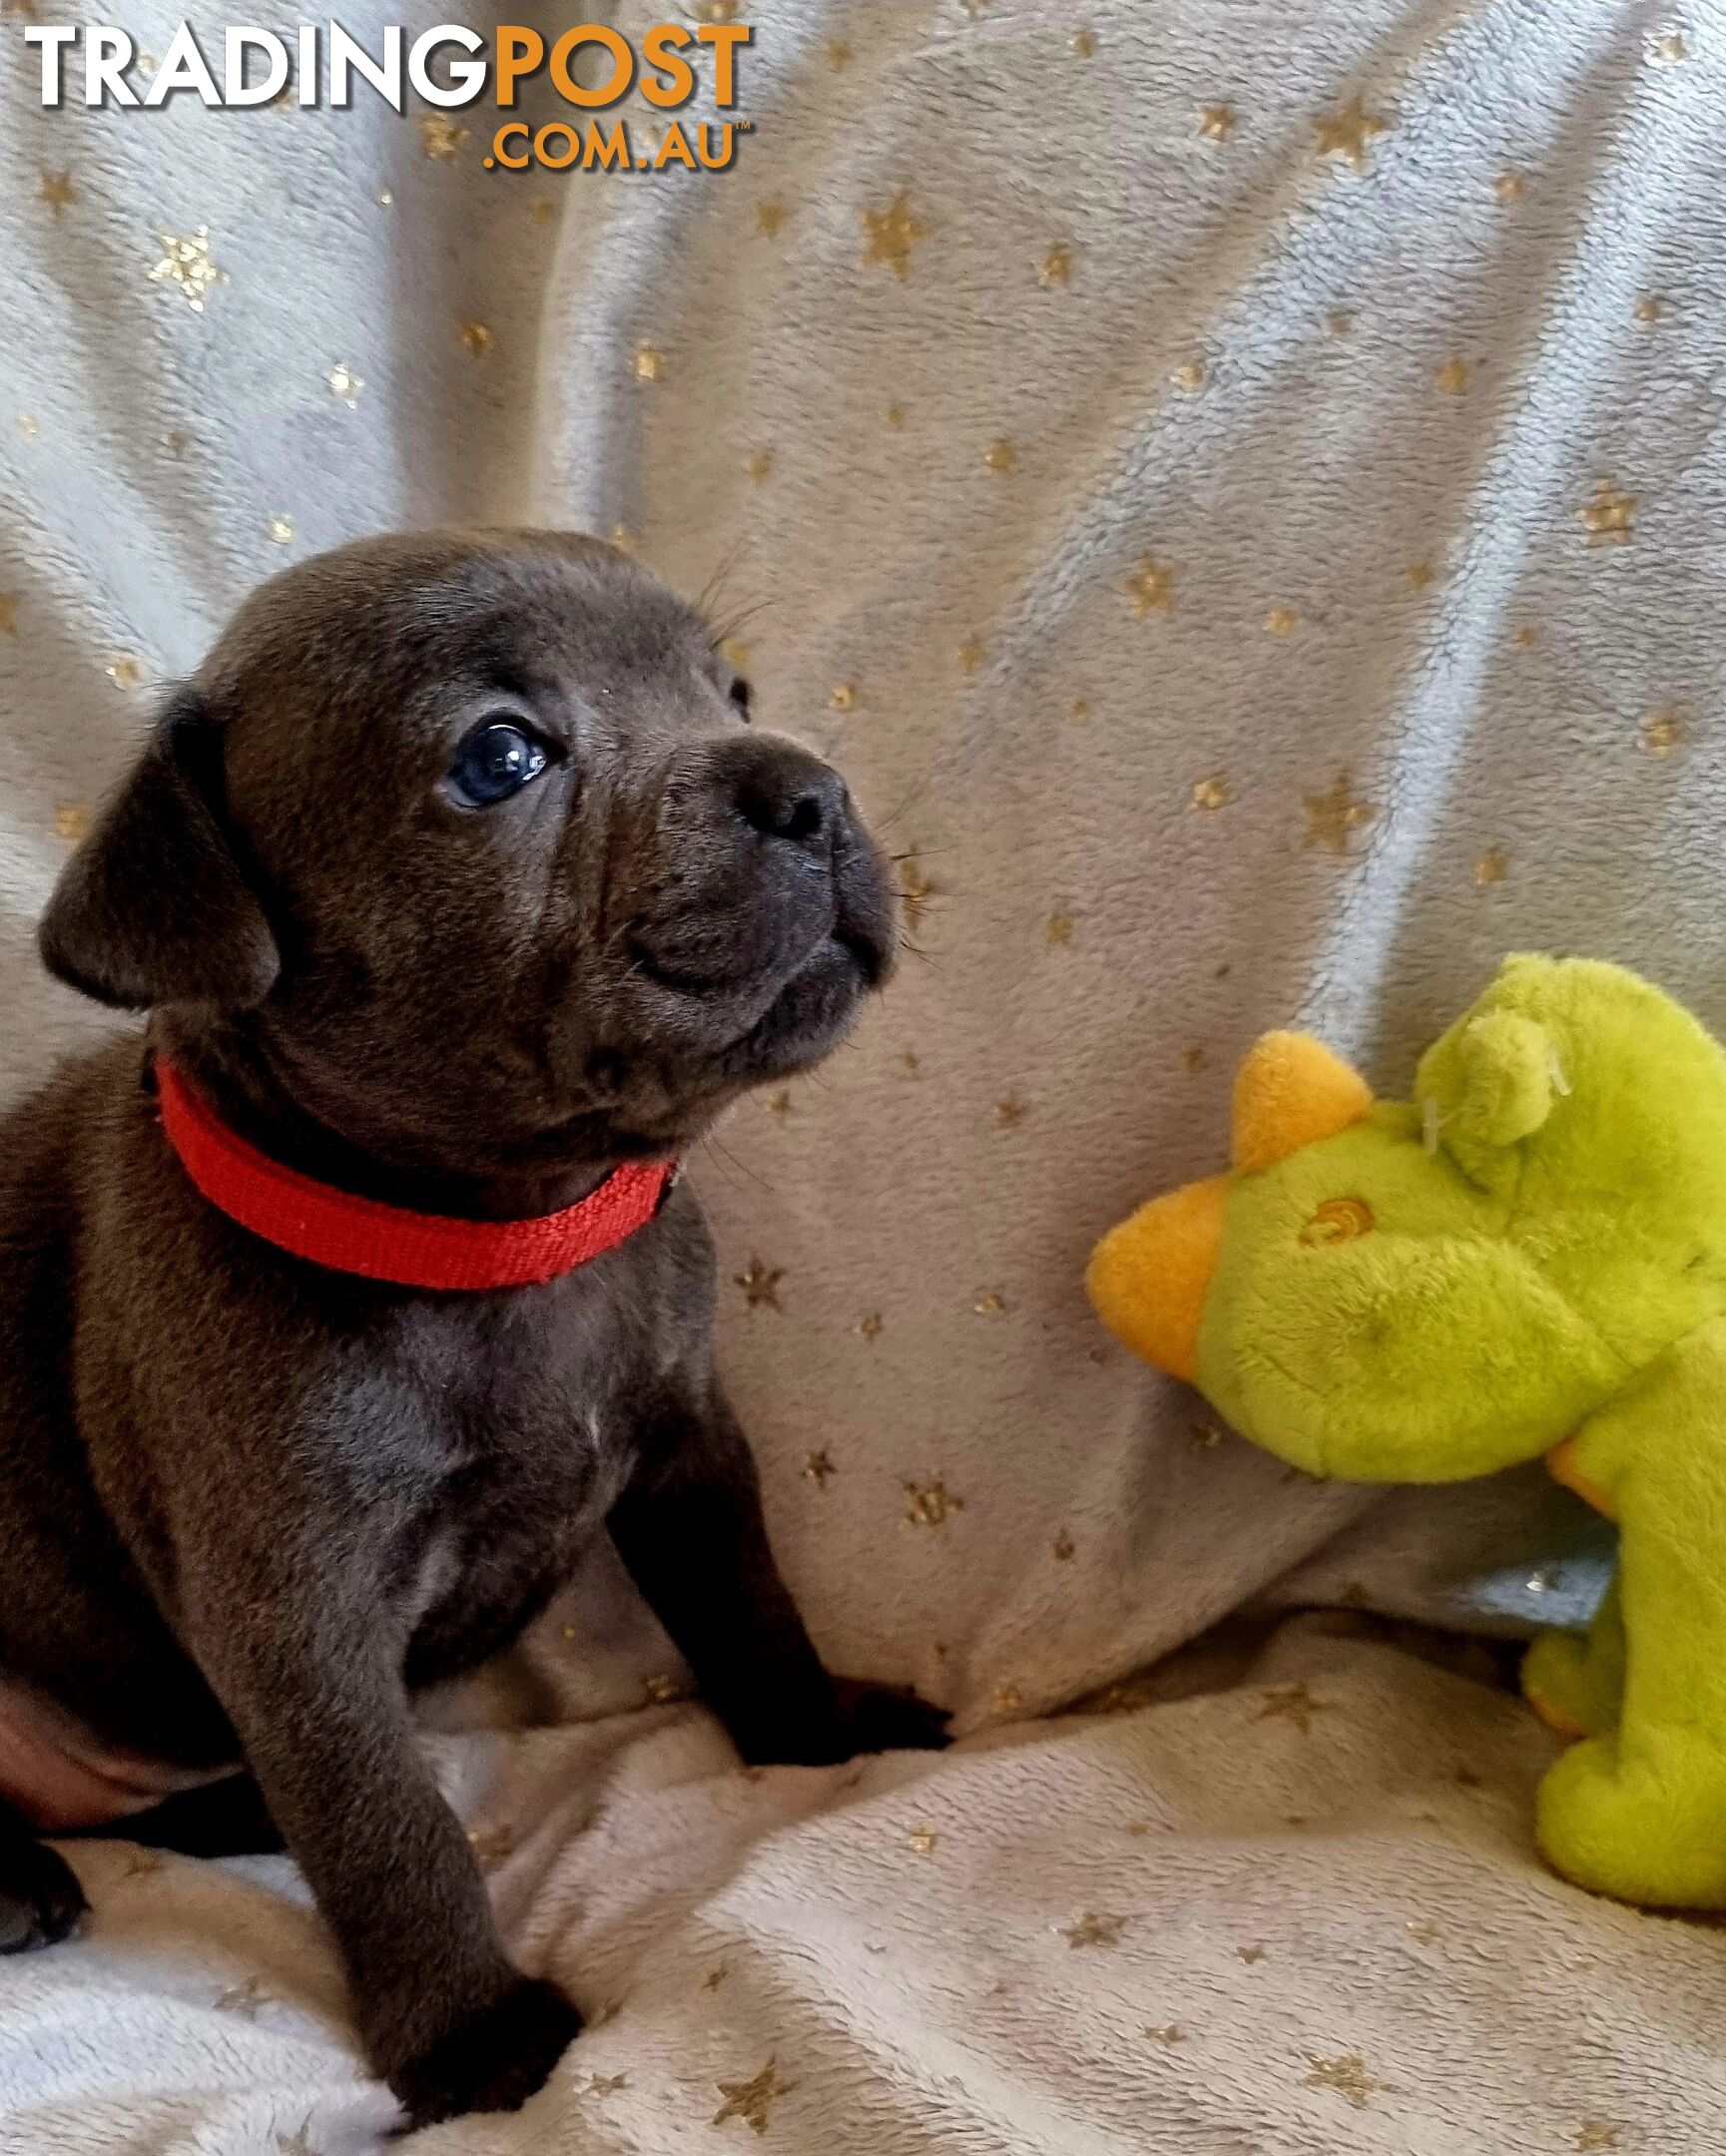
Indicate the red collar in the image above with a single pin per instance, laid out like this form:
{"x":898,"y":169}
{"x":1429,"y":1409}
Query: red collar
{"x":385,"y":1242}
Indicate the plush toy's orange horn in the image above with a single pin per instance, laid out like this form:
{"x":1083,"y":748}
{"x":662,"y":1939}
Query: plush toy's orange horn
{"x":1148,"y":1277}
{"x":1289,"y":1091}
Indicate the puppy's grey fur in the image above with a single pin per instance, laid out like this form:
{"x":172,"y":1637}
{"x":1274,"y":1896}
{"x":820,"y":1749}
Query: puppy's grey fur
{"x":248,"y":1505}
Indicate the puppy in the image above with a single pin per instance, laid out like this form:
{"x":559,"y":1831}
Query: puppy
{"x":339,"y":1311}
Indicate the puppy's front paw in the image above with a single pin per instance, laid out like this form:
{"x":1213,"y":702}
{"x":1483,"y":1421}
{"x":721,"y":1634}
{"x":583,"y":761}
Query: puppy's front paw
{"x":882,"y":1719}
{"x":41,"y":1900}
{"x":494,"y":2062}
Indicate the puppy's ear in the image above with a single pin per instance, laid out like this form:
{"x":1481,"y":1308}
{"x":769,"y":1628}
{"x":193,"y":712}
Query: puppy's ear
{"x":154,"y":908}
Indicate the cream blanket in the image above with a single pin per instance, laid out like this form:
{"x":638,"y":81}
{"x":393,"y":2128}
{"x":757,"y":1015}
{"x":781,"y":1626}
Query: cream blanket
{"x":1239,"y":490}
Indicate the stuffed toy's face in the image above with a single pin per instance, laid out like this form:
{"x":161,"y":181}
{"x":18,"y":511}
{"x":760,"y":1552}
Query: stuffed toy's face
{"x":1386,"y":1292}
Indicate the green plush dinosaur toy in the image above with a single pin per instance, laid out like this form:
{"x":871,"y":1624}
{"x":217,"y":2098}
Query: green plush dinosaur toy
{"x":1527,"y":1258}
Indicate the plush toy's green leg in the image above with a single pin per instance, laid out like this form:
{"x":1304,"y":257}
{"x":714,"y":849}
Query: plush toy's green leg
{"x":1642,"y":1814}
{"x":1574,"y":1681}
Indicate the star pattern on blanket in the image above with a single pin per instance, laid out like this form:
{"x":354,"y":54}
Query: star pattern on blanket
{"x":1347,"y":2076}
{"x":760,"y":1284}
{"x":1151,"y":588}
{"x":439,"y":135}
{"x":753,"y":2100}
{"x":931,"y":1503}
{"x":889,"y":235}
{"x":246,"y":1998}
{"x":71,"y":822}
{"x":1608,"y":517}
{"x":1095,"y":1929}
{"x":1334,"y":817}
{"x":1291,"y":1703}
{"x":1216,"y":122}
{"x":56,"y":189}
{"x":187,"y":263}
{"x":1347,"y":134}
{"x":1662,"y":731}
{"x":1594,"y":2134}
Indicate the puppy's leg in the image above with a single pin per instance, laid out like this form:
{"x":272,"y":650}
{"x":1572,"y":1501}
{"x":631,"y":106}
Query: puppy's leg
{"x":40,"y":1898}
{"x":690,"y":1530}
{"x":321,"y":1710}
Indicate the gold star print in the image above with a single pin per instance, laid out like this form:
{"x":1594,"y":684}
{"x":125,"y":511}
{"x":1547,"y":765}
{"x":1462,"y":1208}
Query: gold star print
{"x":1608,"y":515}
{"x":1170,"y":2033}
{"x":27,"y":427}
{"x":8,"y":614}
{"x":185,"y":264}
{"x":244,"y":1999}
{"x":1347,"y":134}
{"x":931,"y":1503}
{"x":1418,"y":573}
{"x":282,"y":530}
{"x":1009,"y":1113}
{"x":1291,"y":1703}
{"x":175,"y":442}
{"x":716,"y":1976}
{"x":1204,"y":1436}
{"x":1216,"y":122}
{"x":818,"y":1469}
{"x":770,"y":216}
{"x":1509,"y":187}
{"x":840,"y":55}
{"x":1151,"y":588}
{"x":71,"y":822}
{"x":760,"y":1284}
{"x":1193,"y":1057}
{"x":1063,"y":1548}
{"x":623,"y":538}
{"x":1593,"y":2134}
{"x":1662,"y":731}
{"x":908,"y":1064}
{"x":735,"y":655}
{"x":922,"y":1840}
{"x":1095,"y":1930}
{"x":124,"y":672}
{"x":1348,"y":2076}
{"x":1649,"y":308}
{"x":345,"y":383}
{"x":1001,"y":456}
{"x":490,"y":1843}
{"x":1526,"y":639}
{"x":1282,"y":621}
{"x":542,"y":212}
{"x":1420,"y":1933}
{"x":1251,"y":1955}
{"x":991,"y":1303}
{"x":718,"y":11}
{"x":779,"y":1106}
{"x":842,"y":696}
{"x":649,"y":364}
{"x":1212,"y":793}
{"x":752,"y":2101}
{"x":890,"y":233}
{"x":606,"y":2084}
{"x":971,"y":655}
{"x":869,"y":1327}
{"x":660,"y":1690}
{"x":1452,"y":376}
{"x":1059,"y":929}
{"x":1189,"y":376}
{"x":25,"y":10}
{"x":1332,"y":817}
{"x":477,"y":337}
{"x":1084,"y":44}
{"x":1493,"y":866}
{"x":1339,"y":323}
{"x":916,"y":891}
{"x":1056,"y":266}
{"x":57,"y":190}
{"x":440,"y":137}
{"x":896,"y":416}
{"x":1078,"y":711}
{"x":1668,"y":49}
{"x":1008,"y":1699}
{"x":757,"y":465}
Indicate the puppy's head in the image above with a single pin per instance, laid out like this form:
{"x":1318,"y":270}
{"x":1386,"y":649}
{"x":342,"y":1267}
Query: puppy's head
{"x":471,"y":839}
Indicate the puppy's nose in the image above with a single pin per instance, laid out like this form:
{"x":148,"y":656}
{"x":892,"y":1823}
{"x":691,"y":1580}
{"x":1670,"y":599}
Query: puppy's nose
{"x":785,"y":792}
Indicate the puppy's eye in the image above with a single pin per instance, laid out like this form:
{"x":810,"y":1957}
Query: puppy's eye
{"x":740,"y":695}
{"x":495,"y":759}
